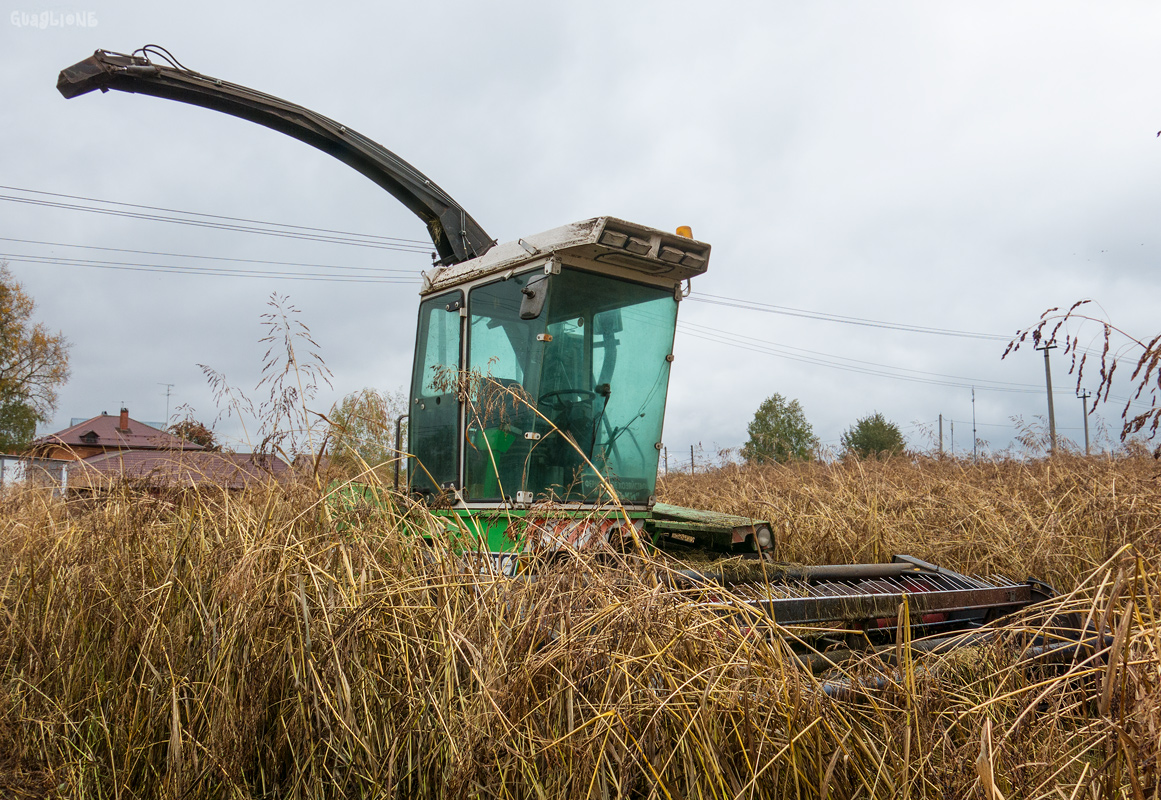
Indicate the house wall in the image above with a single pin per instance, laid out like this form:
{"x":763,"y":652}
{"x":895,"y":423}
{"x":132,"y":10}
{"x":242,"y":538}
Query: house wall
{"x":34,"y":472}
{"x":71,"y":453}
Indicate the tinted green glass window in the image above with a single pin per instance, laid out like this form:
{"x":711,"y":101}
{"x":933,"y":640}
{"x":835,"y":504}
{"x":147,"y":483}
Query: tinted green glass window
{"x":433,"y":428}
{"x":605,"y":379}
{"x":594,"y":363}
{"x":504,"y":359}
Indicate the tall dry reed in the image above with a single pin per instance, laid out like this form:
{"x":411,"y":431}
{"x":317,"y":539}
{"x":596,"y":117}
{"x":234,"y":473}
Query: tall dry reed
{"x":1055,"y":519}
{"x":258,"y":645}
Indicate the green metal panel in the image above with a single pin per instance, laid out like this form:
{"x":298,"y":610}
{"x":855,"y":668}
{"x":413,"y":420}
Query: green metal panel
{"x":500,"y":531}
{"x":508,"y":531}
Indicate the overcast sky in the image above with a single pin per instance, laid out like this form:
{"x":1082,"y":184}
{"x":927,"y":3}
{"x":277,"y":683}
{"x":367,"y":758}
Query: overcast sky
{"x":955,"y":166}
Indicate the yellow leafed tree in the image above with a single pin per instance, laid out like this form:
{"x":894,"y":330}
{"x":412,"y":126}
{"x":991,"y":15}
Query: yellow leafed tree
{"x":34,"y":362}
{"x":362,"y":434}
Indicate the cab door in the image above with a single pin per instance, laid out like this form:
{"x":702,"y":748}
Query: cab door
{"x":434,"y":424}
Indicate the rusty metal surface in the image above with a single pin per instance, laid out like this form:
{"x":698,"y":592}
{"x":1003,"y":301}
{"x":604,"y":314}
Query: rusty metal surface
{"x":708,"y":519}
{"x":782,"y":574}
{"x":862,"y":595}
{"x":805,"y":602}
{"x":688,"y":527}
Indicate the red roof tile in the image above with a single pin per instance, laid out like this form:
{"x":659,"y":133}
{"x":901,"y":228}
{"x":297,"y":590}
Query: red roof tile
{"x":139,"y":436}
{"x":173,"y":469}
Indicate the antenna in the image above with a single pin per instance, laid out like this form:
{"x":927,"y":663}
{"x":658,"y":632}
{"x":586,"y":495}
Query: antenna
{"x":168,"y":389}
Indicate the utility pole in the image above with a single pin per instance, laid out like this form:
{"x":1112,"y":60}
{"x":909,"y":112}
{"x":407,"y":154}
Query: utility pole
{"x":692,"y":465}
{"x":975,"y":438}
{"x":1084,"y":409}
{"x":941,"y":435}
{"x":665,"y":454}
{"x":953,"y":438}
{"x":1051,"y":411}
{"x":168,"y":389}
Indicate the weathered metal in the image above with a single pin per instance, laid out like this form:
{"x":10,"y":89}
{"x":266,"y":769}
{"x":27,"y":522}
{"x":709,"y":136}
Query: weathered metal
{"x":457,"y":237}
{"x":782,"y":573}
{"x":866,"y":596}
{"x":862,"y":606}
{"x":712,"y":530}
{"x":601,"y":239}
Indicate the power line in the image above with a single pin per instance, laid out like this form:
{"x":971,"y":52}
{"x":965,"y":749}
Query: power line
{"x":734,"y":302}
{"x":867,"y":368}
{"x":774,"y":347}
{"x":201,"y":271}
{"x":822,"y":316}
{"x":414,"y":245}
{"x":816,"y":358}
{"x":421,"y":242}
{"x":331,"y":236}
{"x":1004,"y":424}
{"x":901,"y":428}
{"x":414,"y":272}
{"x":310,"y":237}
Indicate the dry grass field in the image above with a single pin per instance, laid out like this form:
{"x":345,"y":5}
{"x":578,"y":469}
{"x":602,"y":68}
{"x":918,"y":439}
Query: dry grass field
{"x":1057,"y":519}
{"x":260,"y":646}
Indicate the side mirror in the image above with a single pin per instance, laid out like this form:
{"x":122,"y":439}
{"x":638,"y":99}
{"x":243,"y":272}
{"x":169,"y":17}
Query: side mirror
{"x":607,"y":323}
{"x":535,"y":293}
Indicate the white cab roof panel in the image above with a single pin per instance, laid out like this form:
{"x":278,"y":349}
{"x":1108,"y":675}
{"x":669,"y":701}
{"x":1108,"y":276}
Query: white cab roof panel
{"x":603,"y":240}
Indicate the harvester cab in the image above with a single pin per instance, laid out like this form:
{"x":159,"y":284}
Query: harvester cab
{"x":559,"y":348}
{"x":539,"y":386}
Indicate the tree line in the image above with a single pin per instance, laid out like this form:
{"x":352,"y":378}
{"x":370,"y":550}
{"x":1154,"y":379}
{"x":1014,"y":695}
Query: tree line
{"x":780,"y":432}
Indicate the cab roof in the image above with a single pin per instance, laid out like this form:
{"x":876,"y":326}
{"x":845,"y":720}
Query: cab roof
{"x":604,"y":240}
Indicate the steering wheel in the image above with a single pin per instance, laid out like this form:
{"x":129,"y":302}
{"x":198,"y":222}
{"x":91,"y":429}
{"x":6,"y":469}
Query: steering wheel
{"x":552,"y":400}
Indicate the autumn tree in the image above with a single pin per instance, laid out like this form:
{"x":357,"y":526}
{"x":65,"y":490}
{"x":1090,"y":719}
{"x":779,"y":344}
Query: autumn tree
{"x":873,"y":436}
{"x":17,"y":426}
{"x":362,"y":430}
{"x":34,"y":362}
{"x":190,"y":430}
{"x":779,"y":432}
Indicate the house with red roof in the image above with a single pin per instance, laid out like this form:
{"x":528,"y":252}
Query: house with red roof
{"x":105,"y":434}
{"x":105,"y":451}
{"x":176,"y":469}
